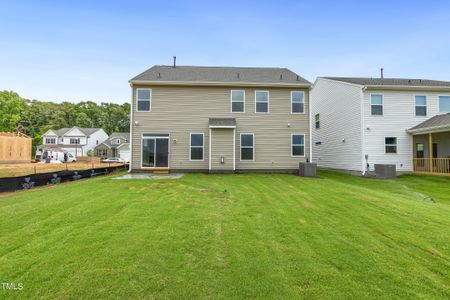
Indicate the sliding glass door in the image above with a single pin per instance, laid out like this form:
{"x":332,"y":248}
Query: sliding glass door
{"x":155,"y":151}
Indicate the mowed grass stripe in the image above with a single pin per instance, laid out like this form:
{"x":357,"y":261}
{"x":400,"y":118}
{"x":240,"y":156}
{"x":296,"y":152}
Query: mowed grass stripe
{"x":229,"y":236}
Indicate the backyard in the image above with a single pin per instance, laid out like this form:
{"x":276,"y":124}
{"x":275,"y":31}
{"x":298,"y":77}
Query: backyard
{"x":229,"y":236}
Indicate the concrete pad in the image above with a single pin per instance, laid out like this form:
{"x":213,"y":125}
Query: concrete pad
{"x":150,"y":176}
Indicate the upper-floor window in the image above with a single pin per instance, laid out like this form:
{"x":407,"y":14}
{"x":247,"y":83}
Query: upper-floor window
{"x":247,"y":146}
{"x":390,"y":144}
{"x":376,"y":103}
{"x":144,"y":99}
{"x":117,"y":141}
{"x":237,"y":101}
{"x":444,"y":103}
{"x":298,"y":144}
{"x":74,"y":141}
{"x":50,"y":140}
{"x":297,"y":102}
{"x":317,"y":121}
{"x":196,"y":146}
{"x":421,"y":106}
{"x":261,"y":101}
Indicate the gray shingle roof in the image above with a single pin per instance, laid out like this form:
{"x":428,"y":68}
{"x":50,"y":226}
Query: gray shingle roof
{"x":221,"y":75}
{"x":86,"y":131}
{"x":125,"y":135}
{"x":115,"y":135}
{"x":391,"y":81}
{"x":218,"y":122}
{"x":434,"y":123}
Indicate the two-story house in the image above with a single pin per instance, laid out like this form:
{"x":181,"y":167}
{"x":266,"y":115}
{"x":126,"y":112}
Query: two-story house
{"x":76,"y":140}
{"x":360,"y":122}
{"x":117,"y":145}
{"x":219,"y":119}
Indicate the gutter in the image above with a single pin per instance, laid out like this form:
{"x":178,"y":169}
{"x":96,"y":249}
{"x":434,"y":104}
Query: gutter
{"x":442,"y":128}
{"x":212,"y":83}
{"x":408,"y":87}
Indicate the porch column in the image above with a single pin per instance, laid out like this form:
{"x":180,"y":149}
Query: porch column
{"x":430,"y":150}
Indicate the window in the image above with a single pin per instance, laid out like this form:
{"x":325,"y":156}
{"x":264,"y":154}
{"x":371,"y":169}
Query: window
{"x":144,"y":97}
{"x":75,"y":141}
{"x":390,"y":144}
{"x":102,"y":152}
{"x":376,"y":103}
{"x":261,"y":101}
{"x":317,"y":121}
{"x":237,"y":101}
{"x":297,"y":102}
{"x":421,"y":106}
{"x":118,"y":141}
{"x":247,"y":146}
{"x":50,"y":140}
{"x":420,"y":150}
{"x":444,"y":104}
{"x":196,"y":146}
{"x":298,"y":145}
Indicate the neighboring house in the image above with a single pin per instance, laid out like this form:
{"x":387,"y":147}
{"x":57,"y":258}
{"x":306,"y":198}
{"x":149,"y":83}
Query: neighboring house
{"x":77,"y":141}
{"x":360,"y":122}
{"x":117,"y":145}
{"x":219,"y":119}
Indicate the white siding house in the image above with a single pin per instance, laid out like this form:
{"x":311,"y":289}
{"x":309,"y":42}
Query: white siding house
{"x":77,"y":141}
{"x":355,"y":138}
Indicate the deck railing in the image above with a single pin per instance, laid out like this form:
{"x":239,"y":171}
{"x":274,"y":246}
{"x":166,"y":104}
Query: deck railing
{"x":437,"y":165}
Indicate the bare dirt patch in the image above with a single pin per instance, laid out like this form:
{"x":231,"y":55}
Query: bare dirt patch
{"x":22,"y":169}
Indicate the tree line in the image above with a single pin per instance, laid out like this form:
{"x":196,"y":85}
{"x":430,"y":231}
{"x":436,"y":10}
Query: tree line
{"x":36,"y":117}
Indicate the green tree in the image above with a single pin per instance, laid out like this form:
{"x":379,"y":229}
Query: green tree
{"x":11,"y":105}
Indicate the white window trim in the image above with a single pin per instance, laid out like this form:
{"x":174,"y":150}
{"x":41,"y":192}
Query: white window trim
{"x":50,"y":138}
{"x":152,"y":137}
{"x":268,"y":102}
{"x":240,"y":146}
{"x":426,"y":106}
{"x":396,"y":145}
{"x":74,"y":138}
{"x":231,"y":102}
{"x":382,"y":104}
{"x":137,"y":99}
{"x":292,"y":144}
{"x":203,"y":146}
{"x":298,"y":113}
{"x":439,"y":112}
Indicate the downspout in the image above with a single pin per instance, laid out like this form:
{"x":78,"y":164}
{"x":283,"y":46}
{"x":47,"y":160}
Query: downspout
{"x":363,"y":139}
{"x":130,"y":167}
{"x":310,"y":125}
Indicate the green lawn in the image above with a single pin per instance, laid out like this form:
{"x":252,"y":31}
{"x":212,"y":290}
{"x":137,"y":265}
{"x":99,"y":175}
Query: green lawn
{"x":229,"y":236}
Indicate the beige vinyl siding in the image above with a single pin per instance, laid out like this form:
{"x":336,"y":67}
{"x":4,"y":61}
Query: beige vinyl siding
{"x":179,"y":110}
{"x":340,"y":108}
{"x":398,"y":116}
{"x":222,"y":145}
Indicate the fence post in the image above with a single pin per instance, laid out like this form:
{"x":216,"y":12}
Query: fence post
{"x":34,"y":170}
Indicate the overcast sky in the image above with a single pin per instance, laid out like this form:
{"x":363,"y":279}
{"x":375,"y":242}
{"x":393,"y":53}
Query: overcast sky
{"x":81,"y":50}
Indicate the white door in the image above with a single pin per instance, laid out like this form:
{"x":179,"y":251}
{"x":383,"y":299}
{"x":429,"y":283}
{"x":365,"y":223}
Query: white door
{"x":125,"y":153}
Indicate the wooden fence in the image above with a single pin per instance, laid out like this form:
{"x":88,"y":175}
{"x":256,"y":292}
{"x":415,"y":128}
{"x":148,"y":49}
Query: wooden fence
{"x":14,"y":147}
{"x":439,"y":166}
